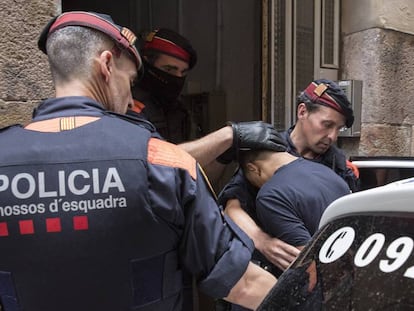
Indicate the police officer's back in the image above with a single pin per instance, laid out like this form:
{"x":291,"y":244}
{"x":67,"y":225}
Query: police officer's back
{"x":96,"y":213}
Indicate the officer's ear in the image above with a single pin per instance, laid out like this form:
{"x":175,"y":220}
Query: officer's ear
{"x":302,"y":111}
{"x":106,"y":63}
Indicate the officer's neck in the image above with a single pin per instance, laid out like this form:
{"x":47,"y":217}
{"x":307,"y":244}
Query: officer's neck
{"x":75,"y":88}
{"x":299,"y":141}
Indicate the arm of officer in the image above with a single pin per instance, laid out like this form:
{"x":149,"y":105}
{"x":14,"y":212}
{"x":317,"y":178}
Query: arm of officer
{"x":252,"y":288}
{"x":206,"y":149}
{"x":224,"y":144}
{"x":276,"y":251}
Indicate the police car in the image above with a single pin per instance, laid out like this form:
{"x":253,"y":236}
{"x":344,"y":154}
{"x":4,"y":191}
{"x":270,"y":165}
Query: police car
{"x":362,"y":257}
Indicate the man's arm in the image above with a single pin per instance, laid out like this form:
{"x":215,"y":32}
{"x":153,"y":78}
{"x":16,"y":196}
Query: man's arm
{"x":206,"y":149}
{"x":252,"y":288}
{"x":275,"y":250}
{"x":226,"y":142}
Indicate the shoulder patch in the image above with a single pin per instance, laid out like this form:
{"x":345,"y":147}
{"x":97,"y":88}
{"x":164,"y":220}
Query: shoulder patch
{"x":164,"y":153}
{"x":138,"y":106}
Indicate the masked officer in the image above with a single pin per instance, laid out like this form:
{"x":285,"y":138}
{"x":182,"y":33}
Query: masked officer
{"x":98,"y":214}
{"x":167,"y":59}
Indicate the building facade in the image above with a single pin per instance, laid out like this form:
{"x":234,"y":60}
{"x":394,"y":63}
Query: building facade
{"x":254,"y":57}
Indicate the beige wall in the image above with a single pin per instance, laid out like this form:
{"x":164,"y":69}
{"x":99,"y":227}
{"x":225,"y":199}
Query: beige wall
{"x":24,"y":72}
{"x":378,"y":48}
{"x":359,"y":15}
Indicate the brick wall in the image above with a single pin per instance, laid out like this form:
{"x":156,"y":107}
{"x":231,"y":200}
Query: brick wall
{"x":384,"y":60}
{"x":24,"y":71}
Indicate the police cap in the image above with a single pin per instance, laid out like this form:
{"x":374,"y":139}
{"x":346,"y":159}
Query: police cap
{"x":101,"y":22}
{"x":169,"y":42}
{"x":328,"y":93}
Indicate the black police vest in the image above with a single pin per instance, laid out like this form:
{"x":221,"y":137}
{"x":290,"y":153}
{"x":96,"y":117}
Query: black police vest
{"x":77,"y":229}
{"x":172,"y":120}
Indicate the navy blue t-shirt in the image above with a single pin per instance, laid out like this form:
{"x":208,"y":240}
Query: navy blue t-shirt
{"x":290,"y":204}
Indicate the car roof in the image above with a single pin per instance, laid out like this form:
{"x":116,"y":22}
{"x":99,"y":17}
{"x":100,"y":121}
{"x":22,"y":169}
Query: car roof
{"x":394,"y":197}
{"x":382,"y":161}
{"x":384,"y":164}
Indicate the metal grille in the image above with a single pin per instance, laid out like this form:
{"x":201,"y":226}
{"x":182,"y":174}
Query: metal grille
{"x":304,"y":45}
{"x":329,"y":32}
{"x":279,"y":48}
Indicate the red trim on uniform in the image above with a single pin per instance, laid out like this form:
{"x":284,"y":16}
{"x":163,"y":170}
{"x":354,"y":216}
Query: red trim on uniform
{"x":323,"y":98}
{"x":138,"y":106}
{"x":164,"y":153}
{"x":4,"y":231}
{"x":86,"y":19}
{"x":168,"y":47}
{"x":26,"y":226}
{"x":80,"y":223}
{"x":353,"y":167}
{"x":53,"y":225}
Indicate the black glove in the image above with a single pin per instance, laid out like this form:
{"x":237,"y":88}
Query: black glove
{"x":252,"y":135}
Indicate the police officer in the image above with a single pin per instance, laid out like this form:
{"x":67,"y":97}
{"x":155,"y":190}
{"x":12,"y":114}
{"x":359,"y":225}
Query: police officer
{"x":95,"y":212}
{"x":167,"y":59}
{"x":322,"y":111}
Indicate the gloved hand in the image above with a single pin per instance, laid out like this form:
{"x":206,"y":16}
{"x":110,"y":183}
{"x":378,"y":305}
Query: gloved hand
{"x":252,"y":135}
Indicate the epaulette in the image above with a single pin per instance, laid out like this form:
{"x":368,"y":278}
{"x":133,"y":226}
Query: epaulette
{"x":137,"y":120}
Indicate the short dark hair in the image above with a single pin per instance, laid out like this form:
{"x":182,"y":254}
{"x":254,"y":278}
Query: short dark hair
{"x":247,"y":156}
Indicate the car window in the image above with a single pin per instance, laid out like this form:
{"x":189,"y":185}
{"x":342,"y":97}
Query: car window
{"x":374,"y":177}
{"x":377,"y":171}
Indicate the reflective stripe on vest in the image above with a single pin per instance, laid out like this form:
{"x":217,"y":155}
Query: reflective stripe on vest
{"x":60,"y":124}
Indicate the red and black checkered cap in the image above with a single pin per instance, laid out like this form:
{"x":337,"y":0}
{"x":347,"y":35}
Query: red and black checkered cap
{"x":328,"y":93}
{"x":101,"y":22}
{"x":169,"y":42}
